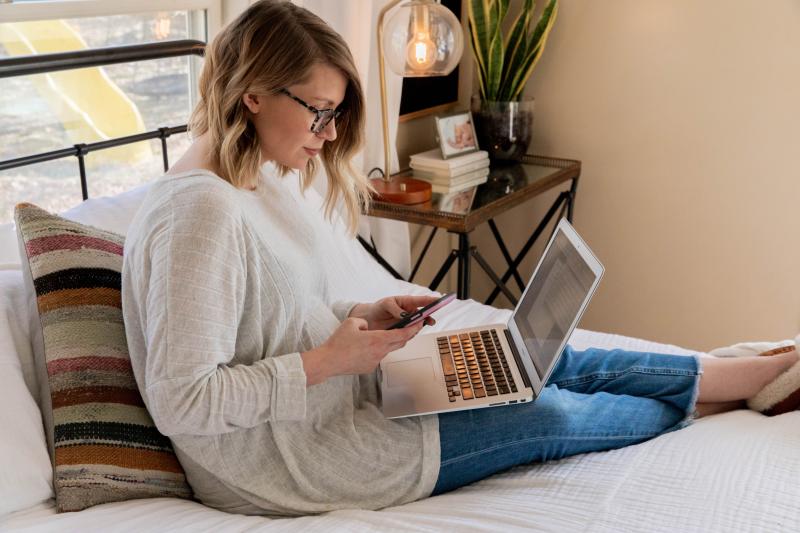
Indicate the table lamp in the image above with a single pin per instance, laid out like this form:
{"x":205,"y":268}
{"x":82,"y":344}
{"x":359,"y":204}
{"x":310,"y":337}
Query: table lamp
{"x":422,"y":38}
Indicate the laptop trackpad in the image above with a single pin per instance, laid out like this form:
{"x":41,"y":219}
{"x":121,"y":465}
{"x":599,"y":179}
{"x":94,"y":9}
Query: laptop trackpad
{"x":410,"y":372}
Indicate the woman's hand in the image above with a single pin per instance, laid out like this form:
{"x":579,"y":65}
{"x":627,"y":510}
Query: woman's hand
{"x":387,"y":311}
{"x":353,"y":349}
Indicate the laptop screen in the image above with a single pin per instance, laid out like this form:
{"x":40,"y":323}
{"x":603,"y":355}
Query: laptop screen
{"x":551,"y":303}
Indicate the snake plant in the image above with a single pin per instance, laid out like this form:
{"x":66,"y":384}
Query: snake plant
{"x":505,"y":64}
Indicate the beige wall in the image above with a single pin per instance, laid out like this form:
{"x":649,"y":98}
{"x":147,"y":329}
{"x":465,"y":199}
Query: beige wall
{"x":685,"y":116}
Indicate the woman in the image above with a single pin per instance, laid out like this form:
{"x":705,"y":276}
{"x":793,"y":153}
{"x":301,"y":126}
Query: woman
{"x":265,"y":386}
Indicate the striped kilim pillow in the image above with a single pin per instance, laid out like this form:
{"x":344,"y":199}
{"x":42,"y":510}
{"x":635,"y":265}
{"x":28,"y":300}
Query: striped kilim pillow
{"x":104,"y":445}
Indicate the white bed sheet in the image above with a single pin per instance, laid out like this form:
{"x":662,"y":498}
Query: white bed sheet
{"x":731,"y":472}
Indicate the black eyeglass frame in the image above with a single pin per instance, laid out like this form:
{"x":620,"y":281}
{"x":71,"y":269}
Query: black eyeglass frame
{"x":323,"y":116}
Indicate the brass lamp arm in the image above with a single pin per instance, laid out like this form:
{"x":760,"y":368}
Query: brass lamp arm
{"x":384,"y":105}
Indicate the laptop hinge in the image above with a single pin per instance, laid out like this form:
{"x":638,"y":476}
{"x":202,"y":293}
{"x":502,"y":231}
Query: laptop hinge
{"x":520,"y":366}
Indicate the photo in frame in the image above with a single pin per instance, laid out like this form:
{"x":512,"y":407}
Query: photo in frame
{"x":456,"y":134}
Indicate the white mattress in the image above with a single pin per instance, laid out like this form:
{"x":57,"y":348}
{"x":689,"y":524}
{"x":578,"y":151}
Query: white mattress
{"x":732,"y":472}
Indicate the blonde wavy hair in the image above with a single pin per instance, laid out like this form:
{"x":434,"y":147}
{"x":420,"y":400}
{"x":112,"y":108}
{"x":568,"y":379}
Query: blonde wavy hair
{"x":271,"y":45}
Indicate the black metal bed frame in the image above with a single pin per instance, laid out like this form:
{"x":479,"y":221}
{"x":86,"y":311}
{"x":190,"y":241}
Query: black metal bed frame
{"x":41,"y":64}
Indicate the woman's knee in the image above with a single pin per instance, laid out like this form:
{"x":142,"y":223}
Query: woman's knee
{"x":555,"y":409}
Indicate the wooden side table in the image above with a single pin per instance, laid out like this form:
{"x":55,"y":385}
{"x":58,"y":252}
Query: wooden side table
{"x":508,"y":186}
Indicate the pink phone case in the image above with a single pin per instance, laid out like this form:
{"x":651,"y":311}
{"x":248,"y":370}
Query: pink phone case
{"x":425,"y":312}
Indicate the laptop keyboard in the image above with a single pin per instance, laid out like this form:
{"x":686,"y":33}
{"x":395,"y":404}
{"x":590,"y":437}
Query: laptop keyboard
{"x":474,"y":365}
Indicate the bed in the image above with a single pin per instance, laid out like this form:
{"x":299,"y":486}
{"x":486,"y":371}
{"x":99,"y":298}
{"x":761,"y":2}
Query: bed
{"x":731,"y":472}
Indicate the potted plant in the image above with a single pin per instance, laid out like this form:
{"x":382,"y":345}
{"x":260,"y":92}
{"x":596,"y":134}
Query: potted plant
{"x":503,"y":118}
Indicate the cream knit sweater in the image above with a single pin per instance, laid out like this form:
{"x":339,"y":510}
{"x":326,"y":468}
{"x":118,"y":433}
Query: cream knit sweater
{"x":221,"y":290}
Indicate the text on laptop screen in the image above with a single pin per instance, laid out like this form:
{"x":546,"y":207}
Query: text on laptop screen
{"x":552,"y":301}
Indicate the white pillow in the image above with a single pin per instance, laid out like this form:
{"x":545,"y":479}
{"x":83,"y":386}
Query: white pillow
{"x":26,"y":474}
{"x":111,"y":213}
{"x":9,"y":254}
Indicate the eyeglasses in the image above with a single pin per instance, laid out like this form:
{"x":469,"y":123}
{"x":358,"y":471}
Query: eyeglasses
{"x":324,"y":116}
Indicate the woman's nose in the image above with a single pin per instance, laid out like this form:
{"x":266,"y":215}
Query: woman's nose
{"x":329,"y":131}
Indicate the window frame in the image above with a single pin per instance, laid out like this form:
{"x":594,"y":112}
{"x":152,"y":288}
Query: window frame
{"x":200,"y":28}
{"x":65,"y":9}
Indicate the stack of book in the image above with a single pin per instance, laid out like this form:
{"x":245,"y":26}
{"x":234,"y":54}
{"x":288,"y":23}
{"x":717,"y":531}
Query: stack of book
{"x":453,"y":174}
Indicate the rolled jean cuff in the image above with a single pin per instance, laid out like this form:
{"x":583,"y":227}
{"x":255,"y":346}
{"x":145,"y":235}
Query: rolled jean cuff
{"x":691,"y":409}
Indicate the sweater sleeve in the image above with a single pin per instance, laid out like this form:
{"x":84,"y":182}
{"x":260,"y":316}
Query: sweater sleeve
{"x":194,"y":300}
{"x":342,"y":308}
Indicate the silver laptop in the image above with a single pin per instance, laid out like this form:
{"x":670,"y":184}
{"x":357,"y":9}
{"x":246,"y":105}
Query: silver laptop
{"x":497,"y":364}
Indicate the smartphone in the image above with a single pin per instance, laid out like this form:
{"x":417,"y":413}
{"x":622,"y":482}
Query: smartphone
{"x":423,"y":312}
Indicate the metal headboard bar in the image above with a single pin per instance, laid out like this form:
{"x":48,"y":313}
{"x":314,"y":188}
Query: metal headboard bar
{"x":40,"y":64}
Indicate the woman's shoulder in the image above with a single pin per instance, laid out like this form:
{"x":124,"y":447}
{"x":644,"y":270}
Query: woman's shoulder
{"x":197,"y":181}
{"x":202,"y":190}
{"x":192,"y":199}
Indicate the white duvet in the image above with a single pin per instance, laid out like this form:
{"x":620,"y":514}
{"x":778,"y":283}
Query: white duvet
{"x":738,"y":471}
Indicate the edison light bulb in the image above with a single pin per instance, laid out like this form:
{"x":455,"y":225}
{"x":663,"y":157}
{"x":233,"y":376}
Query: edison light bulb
{"x":421,"y":52}
{"x":422,"y":38}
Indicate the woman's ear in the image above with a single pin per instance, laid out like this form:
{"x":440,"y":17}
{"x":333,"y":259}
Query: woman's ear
{"x":251,"y":102}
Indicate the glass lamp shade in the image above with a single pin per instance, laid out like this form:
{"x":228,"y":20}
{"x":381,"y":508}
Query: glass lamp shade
{"x":423,"y":38}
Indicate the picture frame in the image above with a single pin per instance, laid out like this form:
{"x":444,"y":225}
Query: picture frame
{"x":456,"y":134}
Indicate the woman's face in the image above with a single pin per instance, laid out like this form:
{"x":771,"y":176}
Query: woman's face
{"x":283,"y":125}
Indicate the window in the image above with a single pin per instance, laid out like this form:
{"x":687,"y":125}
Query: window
{"x":57,"y":110}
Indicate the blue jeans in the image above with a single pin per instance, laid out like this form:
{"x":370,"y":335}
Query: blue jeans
{"x":594,"y":400}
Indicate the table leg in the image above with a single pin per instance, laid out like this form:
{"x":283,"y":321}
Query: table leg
{"x":525,"y":249}
{"x":564,"y":210}
{"x":443,"y":270}
{"x":489,"y":272}
{"x":573,"y":191}
{"x":568,"y":207}
{"x":379,"y":258}
{"x":504,"y":251}
{"x":463,"y":266}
